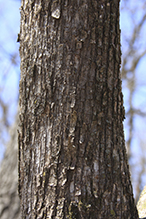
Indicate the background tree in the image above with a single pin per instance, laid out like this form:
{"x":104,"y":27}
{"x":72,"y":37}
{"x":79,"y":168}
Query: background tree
{"x":9,"y":70}
{"x":72,"y":157}
{"x":141,"y":206}
{"x":133,"y":74}
{"x":9,"y":80}
{"x":10,"y":203}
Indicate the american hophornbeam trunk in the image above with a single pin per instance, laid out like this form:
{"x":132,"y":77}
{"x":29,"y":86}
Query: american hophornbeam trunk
{"x":72,"y":157}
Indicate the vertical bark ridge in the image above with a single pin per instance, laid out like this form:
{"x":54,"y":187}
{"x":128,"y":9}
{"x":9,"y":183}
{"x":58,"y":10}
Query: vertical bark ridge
{"x":72,"y":151}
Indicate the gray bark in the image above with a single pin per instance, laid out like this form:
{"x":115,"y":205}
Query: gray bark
{"x":72,"y":157}
{"x":9,"y":199}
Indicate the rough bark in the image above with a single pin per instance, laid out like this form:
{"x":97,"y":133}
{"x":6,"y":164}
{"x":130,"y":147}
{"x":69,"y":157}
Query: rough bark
{"x":9,"y":199}
{"x":72,"y":157}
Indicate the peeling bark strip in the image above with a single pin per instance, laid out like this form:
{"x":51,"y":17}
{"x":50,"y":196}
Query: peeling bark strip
{"x":72,"y":158}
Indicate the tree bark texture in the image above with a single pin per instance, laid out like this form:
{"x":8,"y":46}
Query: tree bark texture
{"x":72,"y":157}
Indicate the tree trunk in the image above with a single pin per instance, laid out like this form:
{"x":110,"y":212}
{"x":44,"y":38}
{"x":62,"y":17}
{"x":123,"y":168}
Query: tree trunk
{"x":9,"y":199}
{"x":72,"y":157}
{"x":141,"y":206}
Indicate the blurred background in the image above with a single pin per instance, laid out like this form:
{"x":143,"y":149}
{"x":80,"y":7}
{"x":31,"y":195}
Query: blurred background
{"x":133,"y":71}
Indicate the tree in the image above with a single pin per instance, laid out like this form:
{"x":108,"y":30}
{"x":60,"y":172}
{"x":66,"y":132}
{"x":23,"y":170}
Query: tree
{"x":9,"y":62}
{"x":141,"y":206}
{"x":72,"y":157}
{"x":10,"y":203}
{"x":133,"y":55}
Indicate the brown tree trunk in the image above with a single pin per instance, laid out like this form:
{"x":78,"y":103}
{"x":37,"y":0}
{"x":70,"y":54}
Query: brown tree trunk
{"x":72,"y":157}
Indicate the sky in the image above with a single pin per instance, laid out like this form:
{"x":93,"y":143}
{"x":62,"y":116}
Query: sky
{"x":9,"y":59}
{"x":10,"y":69}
